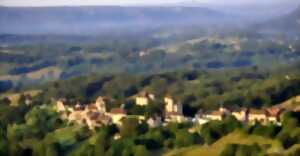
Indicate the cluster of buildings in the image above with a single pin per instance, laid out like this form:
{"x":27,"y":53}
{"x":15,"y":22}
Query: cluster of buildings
{"x":93,"y":115}
{"x":246,"y":115}
{"x":96,"y":115}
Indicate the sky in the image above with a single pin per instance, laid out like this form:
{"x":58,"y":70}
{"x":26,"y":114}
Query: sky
{"x":129,"y":2}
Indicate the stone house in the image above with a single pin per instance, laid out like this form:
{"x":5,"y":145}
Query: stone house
{"x":60,"y":107}
{"x":144,"y":99}
{"x":174,"y":117}
{"x":100,"y":104}
{"x":255,"y":115}
{"x":173,"y":111}
{"x":171,"y":107}
{"x":214,"y":115}
{"x":155,"y":121}
{"x":117,"y":114}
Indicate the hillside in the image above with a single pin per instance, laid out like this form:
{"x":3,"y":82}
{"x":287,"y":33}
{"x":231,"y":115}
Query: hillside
{"x":99,"y":19}
{"x":288,"y":24}
{"x":291,"y":21}
{"x":292,"y":104}
{"x":235,"y":137}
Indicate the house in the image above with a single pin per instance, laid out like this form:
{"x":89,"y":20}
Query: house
{"x":174,"y":117}
{"x":256,"y":115}
{"x":200,"y":118}
{"x":214,"y":115}
{"x":274,"y":113}
{"x":96,"y":119}
{"x":100,"y":104}
{"x":141,"y":101}
{"x":263,"y":116}
{"x":60,"y":107}
{"x":224,"y":111}
{"x":241,"y":115}
{"x":62,"y":110}
{"x":201,"y":121}
{"x":155,"y":121}
{"x":171,"y":107}
{"x":173,"y":111}
{"x":78,"y":107}
{"x":144,"y":99}
{"x":117,"y":114}
{"x":140,"y":118}
{"x":91,"y":108}
{"x":218,"y":115}
{"x":273,"y":119}
{"x":77,"y":116}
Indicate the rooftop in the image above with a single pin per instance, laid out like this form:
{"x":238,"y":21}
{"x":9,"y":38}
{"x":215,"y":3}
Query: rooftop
{"x":118,"y":111}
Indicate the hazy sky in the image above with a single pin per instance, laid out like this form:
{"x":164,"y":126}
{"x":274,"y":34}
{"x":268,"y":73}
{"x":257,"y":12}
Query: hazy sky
{"x":129,"y":2}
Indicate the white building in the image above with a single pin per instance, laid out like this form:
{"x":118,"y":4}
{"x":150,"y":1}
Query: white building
{"x":100,"y":104}
{"x":173,"y":111}
{"x":144,"y":99}
{"x":171,"y":107}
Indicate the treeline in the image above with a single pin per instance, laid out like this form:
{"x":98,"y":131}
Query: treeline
{"x":250,"y":87}
{"x":145,"y":54}
{"x":15,"y":58}
{"x":28,"y":69}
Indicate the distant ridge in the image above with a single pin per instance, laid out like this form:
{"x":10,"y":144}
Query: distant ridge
{"x":92,"y":19}
{"x":288,"y":24}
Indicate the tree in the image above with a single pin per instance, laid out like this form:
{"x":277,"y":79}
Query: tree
{"x":3,"y":147}
{"x":183,"y":138}
{"x":5,"y":101}
{"x":100,"y":144}
{"x":241,"y":150}
{"x":129,"y":127}
{"x":286,"y":139}
{"x":290,"y":120}
{"x":229,"y":150}
{"x":141,"y":150}
{"x":51,"y":150}
{"x":214,"y":130}
{"x":154,"y":108}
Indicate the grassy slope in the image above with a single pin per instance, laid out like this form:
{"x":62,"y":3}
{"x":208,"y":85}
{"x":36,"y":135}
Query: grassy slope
{"x":232,"y":138}
{"x":292,"y":104}
{"x":55,"y":73}
{"x":14,"y":97}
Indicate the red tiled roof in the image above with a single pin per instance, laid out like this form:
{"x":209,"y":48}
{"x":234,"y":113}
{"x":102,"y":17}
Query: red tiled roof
{"x":257,"y":112}
{"x":274,"y":111}
{"x":216,"y":113}
{"x":118,"y":111}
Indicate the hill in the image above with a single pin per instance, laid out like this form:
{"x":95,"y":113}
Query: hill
{"x":99,"y":19}
{"x":235,"y":137}
{"x":291,"y":21}
{"x":288,"y":24}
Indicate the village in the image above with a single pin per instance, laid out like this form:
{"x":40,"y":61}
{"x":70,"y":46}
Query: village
{"x":95,"y":115}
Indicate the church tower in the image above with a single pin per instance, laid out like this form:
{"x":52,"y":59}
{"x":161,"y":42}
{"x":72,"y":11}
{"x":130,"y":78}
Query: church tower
{"x":100,"y":104}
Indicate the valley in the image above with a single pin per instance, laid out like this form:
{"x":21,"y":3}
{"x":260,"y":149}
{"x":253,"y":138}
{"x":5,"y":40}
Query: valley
{"x":175,"y":79}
